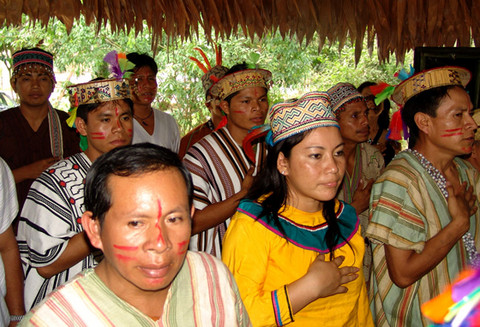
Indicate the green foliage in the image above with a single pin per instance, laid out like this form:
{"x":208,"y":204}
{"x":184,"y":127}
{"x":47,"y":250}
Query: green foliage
{"x":296,"y":68}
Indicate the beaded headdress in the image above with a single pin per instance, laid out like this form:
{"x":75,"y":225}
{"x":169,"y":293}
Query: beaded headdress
{"x":211,"y":74}
{"x":429,"y":79}
{"x":310,"y":111}
{"x":341,"y":94}
{"x":27,"y":58}
{"x":476,"y":118}
{"x":241,"y":80}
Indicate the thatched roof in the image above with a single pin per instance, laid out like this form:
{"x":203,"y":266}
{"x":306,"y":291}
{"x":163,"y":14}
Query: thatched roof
{"x":397,"y":25}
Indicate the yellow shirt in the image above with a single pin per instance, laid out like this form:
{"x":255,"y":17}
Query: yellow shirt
{"x":263,"y":262}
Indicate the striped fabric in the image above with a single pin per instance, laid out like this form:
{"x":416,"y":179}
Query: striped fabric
{"x":407,"y":209}
{"x":369,"y":164}
{"x":203,"y":293}
{"x":218,"y":166}
{"x":50,"y":217}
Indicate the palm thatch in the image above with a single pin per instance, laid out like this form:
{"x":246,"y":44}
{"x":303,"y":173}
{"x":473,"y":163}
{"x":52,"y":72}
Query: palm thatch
{"x":397,"y":25}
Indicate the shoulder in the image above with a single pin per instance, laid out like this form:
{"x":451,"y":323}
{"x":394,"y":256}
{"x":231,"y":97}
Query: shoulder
{"x":164,"y":117}
{"x":202,"y":262}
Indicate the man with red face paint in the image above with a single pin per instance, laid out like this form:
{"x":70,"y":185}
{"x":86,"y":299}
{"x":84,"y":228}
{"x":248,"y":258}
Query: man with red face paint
{"x":149,"y":124}
{"x":424,"y":225}
{"x":221,"y":170}
{"x":52,"y":243}
{"x":147,"y":276}
{"x":364,"y":161}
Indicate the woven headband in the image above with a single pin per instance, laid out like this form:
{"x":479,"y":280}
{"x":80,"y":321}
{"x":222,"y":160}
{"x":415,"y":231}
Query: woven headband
{"x":241,"y":80}
{"x":310,"y":111}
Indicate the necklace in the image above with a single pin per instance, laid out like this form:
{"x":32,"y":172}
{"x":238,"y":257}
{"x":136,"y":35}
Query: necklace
{"x":143,"y":120}
{"x":441,"y":182}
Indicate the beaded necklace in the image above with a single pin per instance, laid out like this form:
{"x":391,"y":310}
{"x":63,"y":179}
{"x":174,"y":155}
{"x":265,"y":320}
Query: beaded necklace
{"x":441,"y":182}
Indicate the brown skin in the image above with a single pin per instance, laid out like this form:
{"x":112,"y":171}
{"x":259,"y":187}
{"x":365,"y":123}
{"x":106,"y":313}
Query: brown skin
{"x":144,"y":87}
{"x":247,"y":109}
{"x":406,"y":266}
{"x":13,"y":274}
{"x":33,"y":87}
{"x":354,"y":129}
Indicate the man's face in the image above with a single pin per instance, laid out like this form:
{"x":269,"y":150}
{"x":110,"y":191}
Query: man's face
{"x":453,"y":128}
{"x":33,"y":86}
{"x":353,"y":122}
{"x":146,"y":231}
{"x":247,"y":109}
{"x":144,"y":86}
{"x":108,"y":126}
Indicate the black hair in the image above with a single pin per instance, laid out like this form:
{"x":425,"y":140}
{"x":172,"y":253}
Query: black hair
{"x":426,"y":102}
{"x":137,"y":159}
{"x":142,"y":60}
{"x":383,"y":119}
{"x":364,"y":85}
{"x":271,"y":181}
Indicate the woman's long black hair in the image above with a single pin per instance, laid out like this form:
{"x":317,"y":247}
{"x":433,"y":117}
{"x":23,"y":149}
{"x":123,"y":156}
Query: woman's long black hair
{"x":270,"y":181}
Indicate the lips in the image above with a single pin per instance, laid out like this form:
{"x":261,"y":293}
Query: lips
{"x":154,"y":271}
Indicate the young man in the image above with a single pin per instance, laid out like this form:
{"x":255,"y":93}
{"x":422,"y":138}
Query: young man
{"x":147,"y":276}
{"x":210,"y":77}
{"x":33,"y":135}
{"x":150,"y":125}
{"x":364,"y":161}
{"x":221,"y":170}
{"x":424,"y":219}
{"x":52,"y":244}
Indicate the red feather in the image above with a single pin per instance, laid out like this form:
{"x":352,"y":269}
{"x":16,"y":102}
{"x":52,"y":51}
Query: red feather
{"x":218,"y":53}
{"x":378,"y":88}
{"x":199,"y":64}
{"x":396,"y":126}
{"x":204,"y":57}
{"x":254,"y":134}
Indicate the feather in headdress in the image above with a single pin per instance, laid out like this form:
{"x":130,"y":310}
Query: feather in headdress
{"x":254,"y":134}
{"x":118,"y":64}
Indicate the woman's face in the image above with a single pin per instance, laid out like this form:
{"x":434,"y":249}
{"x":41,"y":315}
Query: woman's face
{"x":315,"y":169}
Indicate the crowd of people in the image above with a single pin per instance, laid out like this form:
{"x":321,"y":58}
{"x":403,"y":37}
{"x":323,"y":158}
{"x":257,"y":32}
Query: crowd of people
{"x":108,"y":217}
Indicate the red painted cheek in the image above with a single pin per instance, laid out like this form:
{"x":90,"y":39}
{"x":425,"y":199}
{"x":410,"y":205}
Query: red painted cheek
{"x":130,"y":132}
{"x":98,"y":136}
{"x":182,"y":247}
{"x":125,"y":248}
{"x":452,"y":132}
{"x":124,"y":258}
{"x":160,"y":236}
{"x":239,"y":111}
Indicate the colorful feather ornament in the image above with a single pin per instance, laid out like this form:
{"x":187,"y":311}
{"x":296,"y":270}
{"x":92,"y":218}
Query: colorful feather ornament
{"x":459,"y":304}
{"x":254,"y":134}
{"x":119,"y":65}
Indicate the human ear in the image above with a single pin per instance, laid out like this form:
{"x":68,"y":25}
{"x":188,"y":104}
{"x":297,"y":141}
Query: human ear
{"x":13,"y":85}
{"x":423,"y":121}
{"x":282,"y":164}
{"x":81,"y":126}
{"x":92,"y":228}
{"x":225,"y":107}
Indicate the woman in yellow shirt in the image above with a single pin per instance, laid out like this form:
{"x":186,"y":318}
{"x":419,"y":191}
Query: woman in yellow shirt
{"x":294,"y":249}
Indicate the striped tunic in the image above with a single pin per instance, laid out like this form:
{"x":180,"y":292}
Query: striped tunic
{"x":218,"y":166}
{"x":407,"y":209}
{"x":203,"y":293}
{"x":50,"y":217}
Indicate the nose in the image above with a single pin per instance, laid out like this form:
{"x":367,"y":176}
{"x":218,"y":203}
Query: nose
{"x":471,"y":122}
{"x":157,"y":239}
{"x":331,"y":165}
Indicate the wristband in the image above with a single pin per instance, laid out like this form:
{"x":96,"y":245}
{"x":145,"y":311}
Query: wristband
{"x":15,"y":318}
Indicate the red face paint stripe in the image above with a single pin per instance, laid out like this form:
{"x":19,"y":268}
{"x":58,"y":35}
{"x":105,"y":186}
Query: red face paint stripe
{"x":160,"y":236}
{"x":98,"y":138}
{"x":182,"y":249}
{"x":448,"y":135}
{"x":99,"y":133}
{"x":124,"y":257}
{"x":126,"y":248}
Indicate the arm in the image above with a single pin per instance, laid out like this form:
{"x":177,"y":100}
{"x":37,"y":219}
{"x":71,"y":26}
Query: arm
{"x":216,"y":213}
{"x":32,"y":170}
{"x":77,"y":249}
{"x":407,"y":266}
{"x":250,"y":263}
{"x":13,"y":273}
{"x":361,"y":198}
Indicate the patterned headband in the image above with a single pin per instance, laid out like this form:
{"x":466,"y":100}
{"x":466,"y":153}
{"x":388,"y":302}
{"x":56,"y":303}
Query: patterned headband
{"x":310,"y":111}
{"x":26,"y":59}
{"x":241,"y":80}
{"x":341,"y":94}
{"x":429,"y":79}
